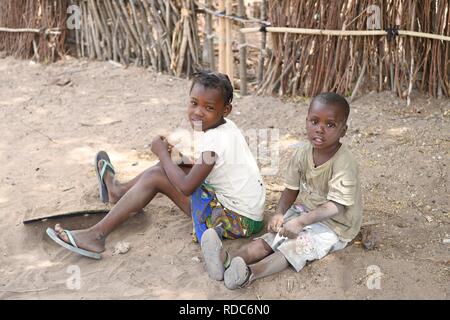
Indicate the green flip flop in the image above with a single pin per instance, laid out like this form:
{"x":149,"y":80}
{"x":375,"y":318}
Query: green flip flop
{"x":103,"y":190}
{"x":72,"y":246}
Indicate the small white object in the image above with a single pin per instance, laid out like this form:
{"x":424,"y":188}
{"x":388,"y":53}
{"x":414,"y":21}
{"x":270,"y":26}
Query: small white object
{"x":278,"y":240}
{"x":116,"y":64}
{"x":121,"y":247}
{"x":446,"y":241}
{"x":429,"y":218}
{"x":195,"y":259}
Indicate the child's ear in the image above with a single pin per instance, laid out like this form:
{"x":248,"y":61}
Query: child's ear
{"x":227,"y":109}
{"x":344,"y":131}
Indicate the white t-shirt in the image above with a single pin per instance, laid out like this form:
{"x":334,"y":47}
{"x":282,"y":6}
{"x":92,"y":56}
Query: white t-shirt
{"x":235,"y":177}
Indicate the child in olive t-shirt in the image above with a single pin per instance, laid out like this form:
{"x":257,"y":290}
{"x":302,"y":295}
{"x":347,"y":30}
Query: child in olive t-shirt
{"x":323,"y":175}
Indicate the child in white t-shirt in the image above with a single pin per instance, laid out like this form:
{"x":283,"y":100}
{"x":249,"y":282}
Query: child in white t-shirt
{"x":222,"y":189}
{"x":234,"y":183}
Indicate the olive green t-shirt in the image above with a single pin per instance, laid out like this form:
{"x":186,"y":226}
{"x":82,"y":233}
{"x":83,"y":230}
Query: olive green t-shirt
{"x":336,"y":180}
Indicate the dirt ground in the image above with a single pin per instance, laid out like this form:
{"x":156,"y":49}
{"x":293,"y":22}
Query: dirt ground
{"x":53,"y":120}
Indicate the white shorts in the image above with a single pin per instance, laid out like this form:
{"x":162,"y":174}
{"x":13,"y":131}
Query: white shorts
{"x":314,"y":242}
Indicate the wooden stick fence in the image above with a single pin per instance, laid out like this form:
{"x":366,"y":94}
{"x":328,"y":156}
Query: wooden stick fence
{"x":156,"y":33}
{"x":311,"y":49}
{"x":307,"y":55}
{"x":33,"y":28}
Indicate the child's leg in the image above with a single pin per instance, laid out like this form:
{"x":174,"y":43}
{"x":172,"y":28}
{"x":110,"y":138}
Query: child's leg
{"x":271,"y":264}
{"x":240,"y":275}
{"x":252,"y":252}
{"x":217,"y":259}
{"x":117,"y":189}
{"x":138,"y":196}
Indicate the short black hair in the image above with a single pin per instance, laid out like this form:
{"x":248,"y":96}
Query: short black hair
{"x":216,"y":80}
{"x":332,"y":98}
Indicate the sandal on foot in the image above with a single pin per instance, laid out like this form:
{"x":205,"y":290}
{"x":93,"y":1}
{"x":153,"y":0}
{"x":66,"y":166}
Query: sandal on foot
{"x":103,"y":190}
{"x":211,"y":246}
{"x":72,"y":246}
{"x":237,"y":275}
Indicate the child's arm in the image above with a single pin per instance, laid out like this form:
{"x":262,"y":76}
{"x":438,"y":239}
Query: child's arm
{"x":286,"y":201}
{"x":181,"y":159}
{"x":329,"y":209}
{"x":185,"y":183}
{"x":323,"y":212}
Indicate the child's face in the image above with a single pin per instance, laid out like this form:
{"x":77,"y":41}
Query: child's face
{"x":206,"y":106}
{"x":325,"y":125}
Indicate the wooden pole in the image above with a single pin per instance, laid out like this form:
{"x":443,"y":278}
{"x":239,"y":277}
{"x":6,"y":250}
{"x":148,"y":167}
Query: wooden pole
{"x":229,"y":42}
{"x":359,"y":81}
{"x":54,"y":31}
{"x":184,"y":42}
{"x":87,"y":28}
{"x":77,"y":37}
{"x":94,"y":34}
{"x":391,"y":73}
{"x":82,"y":34}
{"x":103,"y":35}
{"x":346,"y":32}
{"x":222,"y":53}
{"x":411,"y":48}
{"x":140,"y":33}
{"x":263,"y":45}
{"x":168,"y":17}
{"x":242,"y":54}
{"x":209,"y":41}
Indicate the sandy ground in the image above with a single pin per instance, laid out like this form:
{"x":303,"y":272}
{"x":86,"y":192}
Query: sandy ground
{"x":51,"y":129}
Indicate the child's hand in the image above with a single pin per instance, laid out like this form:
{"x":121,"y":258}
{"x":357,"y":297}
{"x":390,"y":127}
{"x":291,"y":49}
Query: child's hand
{"x":275,"y":223}
{"x":159,"y":145}
{"x":292,"y":228}
{"x":170,"y":147}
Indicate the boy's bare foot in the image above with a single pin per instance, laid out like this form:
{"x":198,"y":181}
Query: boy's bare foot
{"x":85,"y":239}
{"x":114,"y":189}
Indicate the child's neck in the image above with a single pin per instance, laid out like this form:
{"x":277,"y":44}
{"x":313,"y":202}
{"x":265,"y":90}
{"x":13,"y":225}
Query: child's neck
{"x":221,"y":121}
{"x":320,"y":156}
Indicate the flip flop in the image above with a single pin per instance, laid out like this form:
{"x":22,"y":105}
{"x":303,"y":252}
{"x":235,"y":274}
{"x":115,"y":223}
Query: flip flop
{"x":72,"y":246}
{"x":237,"y":275}
{"x":211,"y":246}
{"x":103,"y":190}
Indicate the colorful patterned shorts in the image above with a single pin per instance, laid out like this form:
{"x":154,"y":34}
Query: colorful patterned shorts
{"x":207,"y":212}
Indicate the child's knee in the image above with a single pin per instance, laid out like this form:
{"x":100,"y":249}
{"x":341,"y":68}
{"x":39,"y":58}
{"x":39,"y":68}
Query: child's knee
{"x":263,"y":246}
{"x":152,"y":175}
